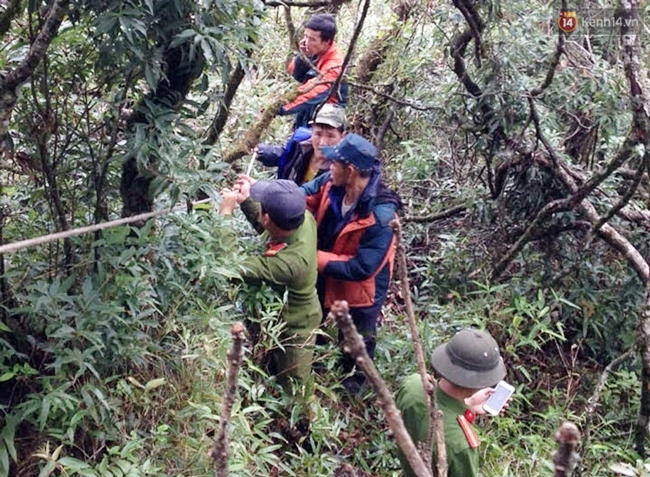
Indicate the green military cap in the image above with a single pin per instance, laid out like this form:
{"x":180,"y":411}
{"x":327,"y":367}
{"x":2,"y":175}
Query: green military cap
{"x":331,"y":115}
{"x":469,"y":359}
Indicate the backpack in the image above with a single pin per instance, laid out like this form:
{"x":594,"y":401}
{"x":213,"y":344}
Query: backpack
{"x":299,"y":135}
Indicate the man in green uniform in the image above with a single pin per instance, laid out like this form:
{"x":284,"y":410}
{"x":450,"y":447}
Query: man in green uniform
{"x":289,"y":263}
{"x":466,"y":367}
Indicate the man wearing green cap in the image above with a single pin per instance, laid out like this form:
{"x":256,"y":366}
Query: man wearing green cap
{"x":301,"y":160}
{"x":467,"y":366}
{"x":289,"y":263}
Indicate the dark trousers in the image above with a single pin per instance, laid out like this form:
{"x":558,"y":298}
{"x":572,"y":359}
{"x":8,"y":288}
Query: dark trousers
{"x":365,"y":319}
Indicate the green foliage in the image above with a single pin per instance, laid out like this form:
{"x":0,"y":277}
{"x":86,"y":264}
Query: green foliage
{"x":112,"y":360}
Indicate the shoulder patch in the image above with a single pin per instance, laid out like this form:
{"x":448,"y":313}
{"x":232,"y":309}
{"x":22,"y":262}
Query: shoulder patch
{"x":470,"y":435}
{"x":273,"y":248}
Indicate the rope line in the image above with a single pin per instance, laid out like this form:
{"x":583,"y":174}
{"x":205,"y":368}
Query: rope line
{"x":14,"y":246}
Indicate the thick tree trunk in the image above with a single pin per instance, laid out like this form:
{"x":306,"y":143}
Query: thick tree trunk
{"x":170,"y":92}
{"x":643,"y":343}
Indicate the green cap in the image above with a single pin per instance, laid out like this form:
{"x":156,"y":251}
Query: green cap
{"x":469,"y":359}
{"x":330,"y":115}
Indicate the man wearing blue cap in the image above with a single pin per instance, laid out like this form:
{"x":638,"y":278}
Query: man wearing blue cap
{"x":353,"y":210}
{"x":289,"y":263}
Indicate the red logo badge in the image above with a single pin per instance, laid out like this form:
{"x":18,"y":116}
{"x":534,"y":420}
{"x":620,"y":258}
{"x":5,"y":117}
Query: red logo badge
{"x":567,"y":21}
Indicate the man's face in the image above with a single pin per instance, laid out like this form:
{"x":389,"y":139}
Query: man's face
{"x":324,"y":136}
{"x":340,"y":173}
{"x":312,"y":44}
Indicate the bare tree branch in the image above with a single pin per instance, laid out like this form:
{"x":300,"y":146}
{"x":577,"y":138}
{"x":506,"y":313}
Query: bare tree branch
{"x":445,"y":214}
{"x":12,"y":80}
{"x":595,"y":397}
{"x":219,"y":121}
{"x":475,"y":25}
{"x":559,"y":49}
{"x":458,"y":49}
{"x":435,"y":416}
{"x":640,"y":217}
{"x":38,"y":49}
{"x":353,"y":345}
{"x":220,"y":450}
{"x":623,"y":201}
{"x":7,"y":16}
{"x":643,"y":346}
{"x":577,"y":200}
{"x":307,"y":4}
{"x":401,"y":102}
{"x":252,"y":136}
{"x":353,"y":42}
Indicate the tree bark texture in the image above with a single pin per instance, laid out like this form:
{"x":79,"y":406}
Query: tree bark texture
{"x":353,"y":345}
{"x":170,"y":92}
{"x":7,"y":16}
{"x":14,"y":78}
{"x":220,"y":450}
{"x":643,"y":345}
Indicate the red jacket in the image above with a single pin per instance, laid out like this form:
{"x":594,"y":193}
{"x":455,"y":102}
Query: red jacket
{"x":328,"y":66}
{"x":360,"y":289}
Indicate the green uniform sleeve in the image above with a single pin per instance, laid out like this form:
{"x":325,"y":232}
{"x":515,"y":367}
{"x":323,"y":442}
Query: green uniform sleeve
{"x":410,"y":401}
{"x":274,"y":270}
{"x":463,"y":463}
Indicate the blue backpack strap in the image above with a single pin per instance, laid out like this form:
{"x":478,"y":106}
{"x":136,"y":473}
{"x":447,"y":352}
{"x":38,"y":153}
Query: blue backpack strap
{"x":299,"y":135}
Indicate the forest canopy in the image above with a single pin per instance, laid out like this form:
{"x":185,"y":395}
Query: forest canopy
{"x":519,"y":150}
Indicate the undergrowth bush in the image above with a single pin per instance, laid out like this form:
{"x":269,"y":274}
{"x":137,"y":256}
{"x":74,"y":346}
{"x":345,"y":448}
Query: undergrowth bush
{"x":114,"y":363}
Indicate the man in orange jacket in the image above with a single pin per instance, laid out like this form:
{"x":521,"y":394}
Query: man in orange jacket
{"x":318,"y":45}
{"x":353,"y":209}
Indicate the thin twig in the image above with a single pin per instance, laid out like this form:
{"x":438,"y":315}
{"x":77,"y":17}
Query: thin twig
{"x":435,"y":416}
{"x":288,"y":3}
{"x":595,"y":397}
{"x":235,"y":354}
{"x":353,"y":345}
{"x":14,"y":246}
{"x":401,"y":102}
{"x":559,"y":50}
{"x":445,"y":214}
{"x":353,"y":42}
